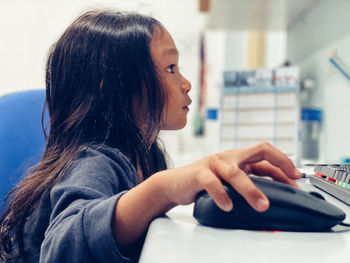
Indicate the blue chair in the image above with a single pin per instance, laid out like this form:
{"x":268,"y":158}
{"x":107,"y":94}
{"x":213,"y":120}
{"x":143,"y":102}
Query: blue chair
{"x":22,"y":140}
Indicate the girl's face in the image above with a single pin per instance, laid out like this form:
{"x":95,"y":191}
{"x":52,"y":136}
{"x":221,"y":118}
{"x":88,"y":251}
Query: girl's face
{"x":165,"y":56}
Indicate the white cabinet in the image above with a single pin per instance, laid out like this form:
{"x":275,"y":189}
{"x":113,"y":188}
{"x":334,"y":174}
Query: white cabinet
{"x":251,"y":114}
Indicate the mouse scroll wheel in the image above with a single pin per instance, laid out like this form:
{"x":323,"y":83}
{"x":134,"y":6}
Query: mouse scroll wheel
{"x":318,"y":195}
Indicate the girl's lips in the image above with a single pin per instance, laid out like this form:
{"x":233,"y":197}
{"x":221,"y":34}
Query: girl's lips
{"x":186,"y":108}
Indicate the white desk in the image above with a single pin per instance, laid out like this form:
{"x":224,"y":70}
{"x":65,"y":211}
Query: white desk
{"x":180,"y":238}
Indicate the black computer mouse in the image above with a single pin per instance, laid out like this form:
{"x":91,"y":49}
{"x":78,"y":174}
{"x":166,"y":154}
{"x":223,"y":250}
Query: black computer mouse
{"x":291,"y":209}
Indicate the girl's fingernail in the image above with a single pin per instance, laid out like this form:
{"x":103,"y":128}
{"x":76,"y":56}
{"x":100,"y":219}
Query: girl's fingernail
{"x":228,"y":205}
{"x":262,"y":204}
{"x":297,"y":173}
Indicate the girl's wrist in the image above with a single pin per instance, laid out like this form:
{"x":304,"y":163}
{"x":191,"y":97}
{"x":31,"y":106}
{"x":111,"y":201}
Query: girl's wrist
{"x":161,"y":183}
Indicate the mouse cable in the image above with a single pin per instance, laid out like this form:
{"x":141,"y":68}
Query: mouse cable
{"x":344,"y":224}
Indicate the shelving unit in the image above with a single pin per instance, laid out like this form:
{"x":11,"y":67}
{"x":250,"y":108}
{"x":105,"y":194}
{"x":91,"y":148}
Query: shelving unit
{"x":255,"y":114}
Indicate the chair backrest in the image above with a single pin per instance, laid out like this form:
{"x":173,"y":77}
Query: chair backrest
{"x":21,"y":137}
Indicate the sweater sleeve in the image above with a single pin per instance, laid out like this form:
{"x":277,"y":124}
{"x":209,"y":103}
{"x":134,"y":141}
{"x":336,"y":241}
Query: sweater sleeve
{"x":83,"y":207}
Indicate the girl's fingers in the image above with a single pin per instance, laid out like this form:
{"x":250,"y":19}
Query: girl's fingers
{"x":266,"y":151}
{"x":248,"y":190}
{"x":243,"y":185}
{"x":212,"y":184}
{"x":262,"y":159}
{"x":264,"y":168}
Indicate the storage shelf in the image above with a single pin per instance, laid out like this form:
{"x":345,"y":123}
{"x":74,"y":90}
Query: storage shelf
{"x":257,"y":89}
{"x":256,"y":114}
{"x":229,"y":124}
{"x":258,"y":108}
{"x":253,"y":139}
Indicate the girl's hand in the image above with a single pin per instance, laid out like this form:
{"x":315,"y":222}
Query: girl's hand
{"x":167,"y":188}
{"x":233,"y":166}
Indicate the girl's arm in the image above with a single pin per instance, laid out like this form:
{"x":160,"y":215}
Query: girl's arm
{"x":168,"y":188}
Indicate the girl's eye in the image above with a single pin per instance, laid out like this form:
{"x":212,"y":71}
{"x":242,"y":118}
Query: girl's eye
{"x":171,"y":68}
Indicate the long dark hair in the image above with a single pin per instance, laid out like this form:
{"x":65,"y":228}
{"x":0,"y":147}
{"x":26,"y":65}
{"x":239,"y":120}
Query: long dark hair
{"x":96,"y":73}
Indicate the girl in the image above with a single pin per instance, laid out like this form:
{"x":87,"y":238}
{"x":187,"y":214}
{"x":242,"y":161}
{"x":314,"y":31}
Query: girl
{"x":112,"y":83}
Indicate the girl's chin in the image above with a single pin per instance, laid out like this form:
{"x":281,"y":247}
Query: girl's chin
{"x":174,"y":126}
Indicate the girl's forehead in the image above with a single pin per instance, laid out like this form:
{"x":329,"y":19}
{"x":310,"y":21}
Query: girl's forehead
{"x":162,"y":44}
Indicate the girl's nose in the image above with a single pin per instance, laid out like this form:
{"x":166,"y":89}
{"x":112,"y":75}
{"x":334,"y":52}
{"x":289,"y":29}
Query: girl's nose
{"x":186,"y":86}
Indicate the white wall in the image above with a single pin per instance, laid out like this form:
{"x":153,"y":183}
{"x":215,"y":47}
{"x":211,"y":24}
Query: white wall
{"x":332,"y":95}
{"x":275,"y":49}
{"x":29,"y":27}
{"x":311,"y":39}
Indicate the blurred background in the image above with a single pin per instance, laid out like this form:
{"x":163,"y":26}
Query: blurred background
{"x":261,"y":70}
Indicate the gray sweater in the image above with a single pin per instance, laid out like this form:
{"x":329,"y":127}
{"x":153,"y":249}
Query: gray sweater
{"x":73,"y":222}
